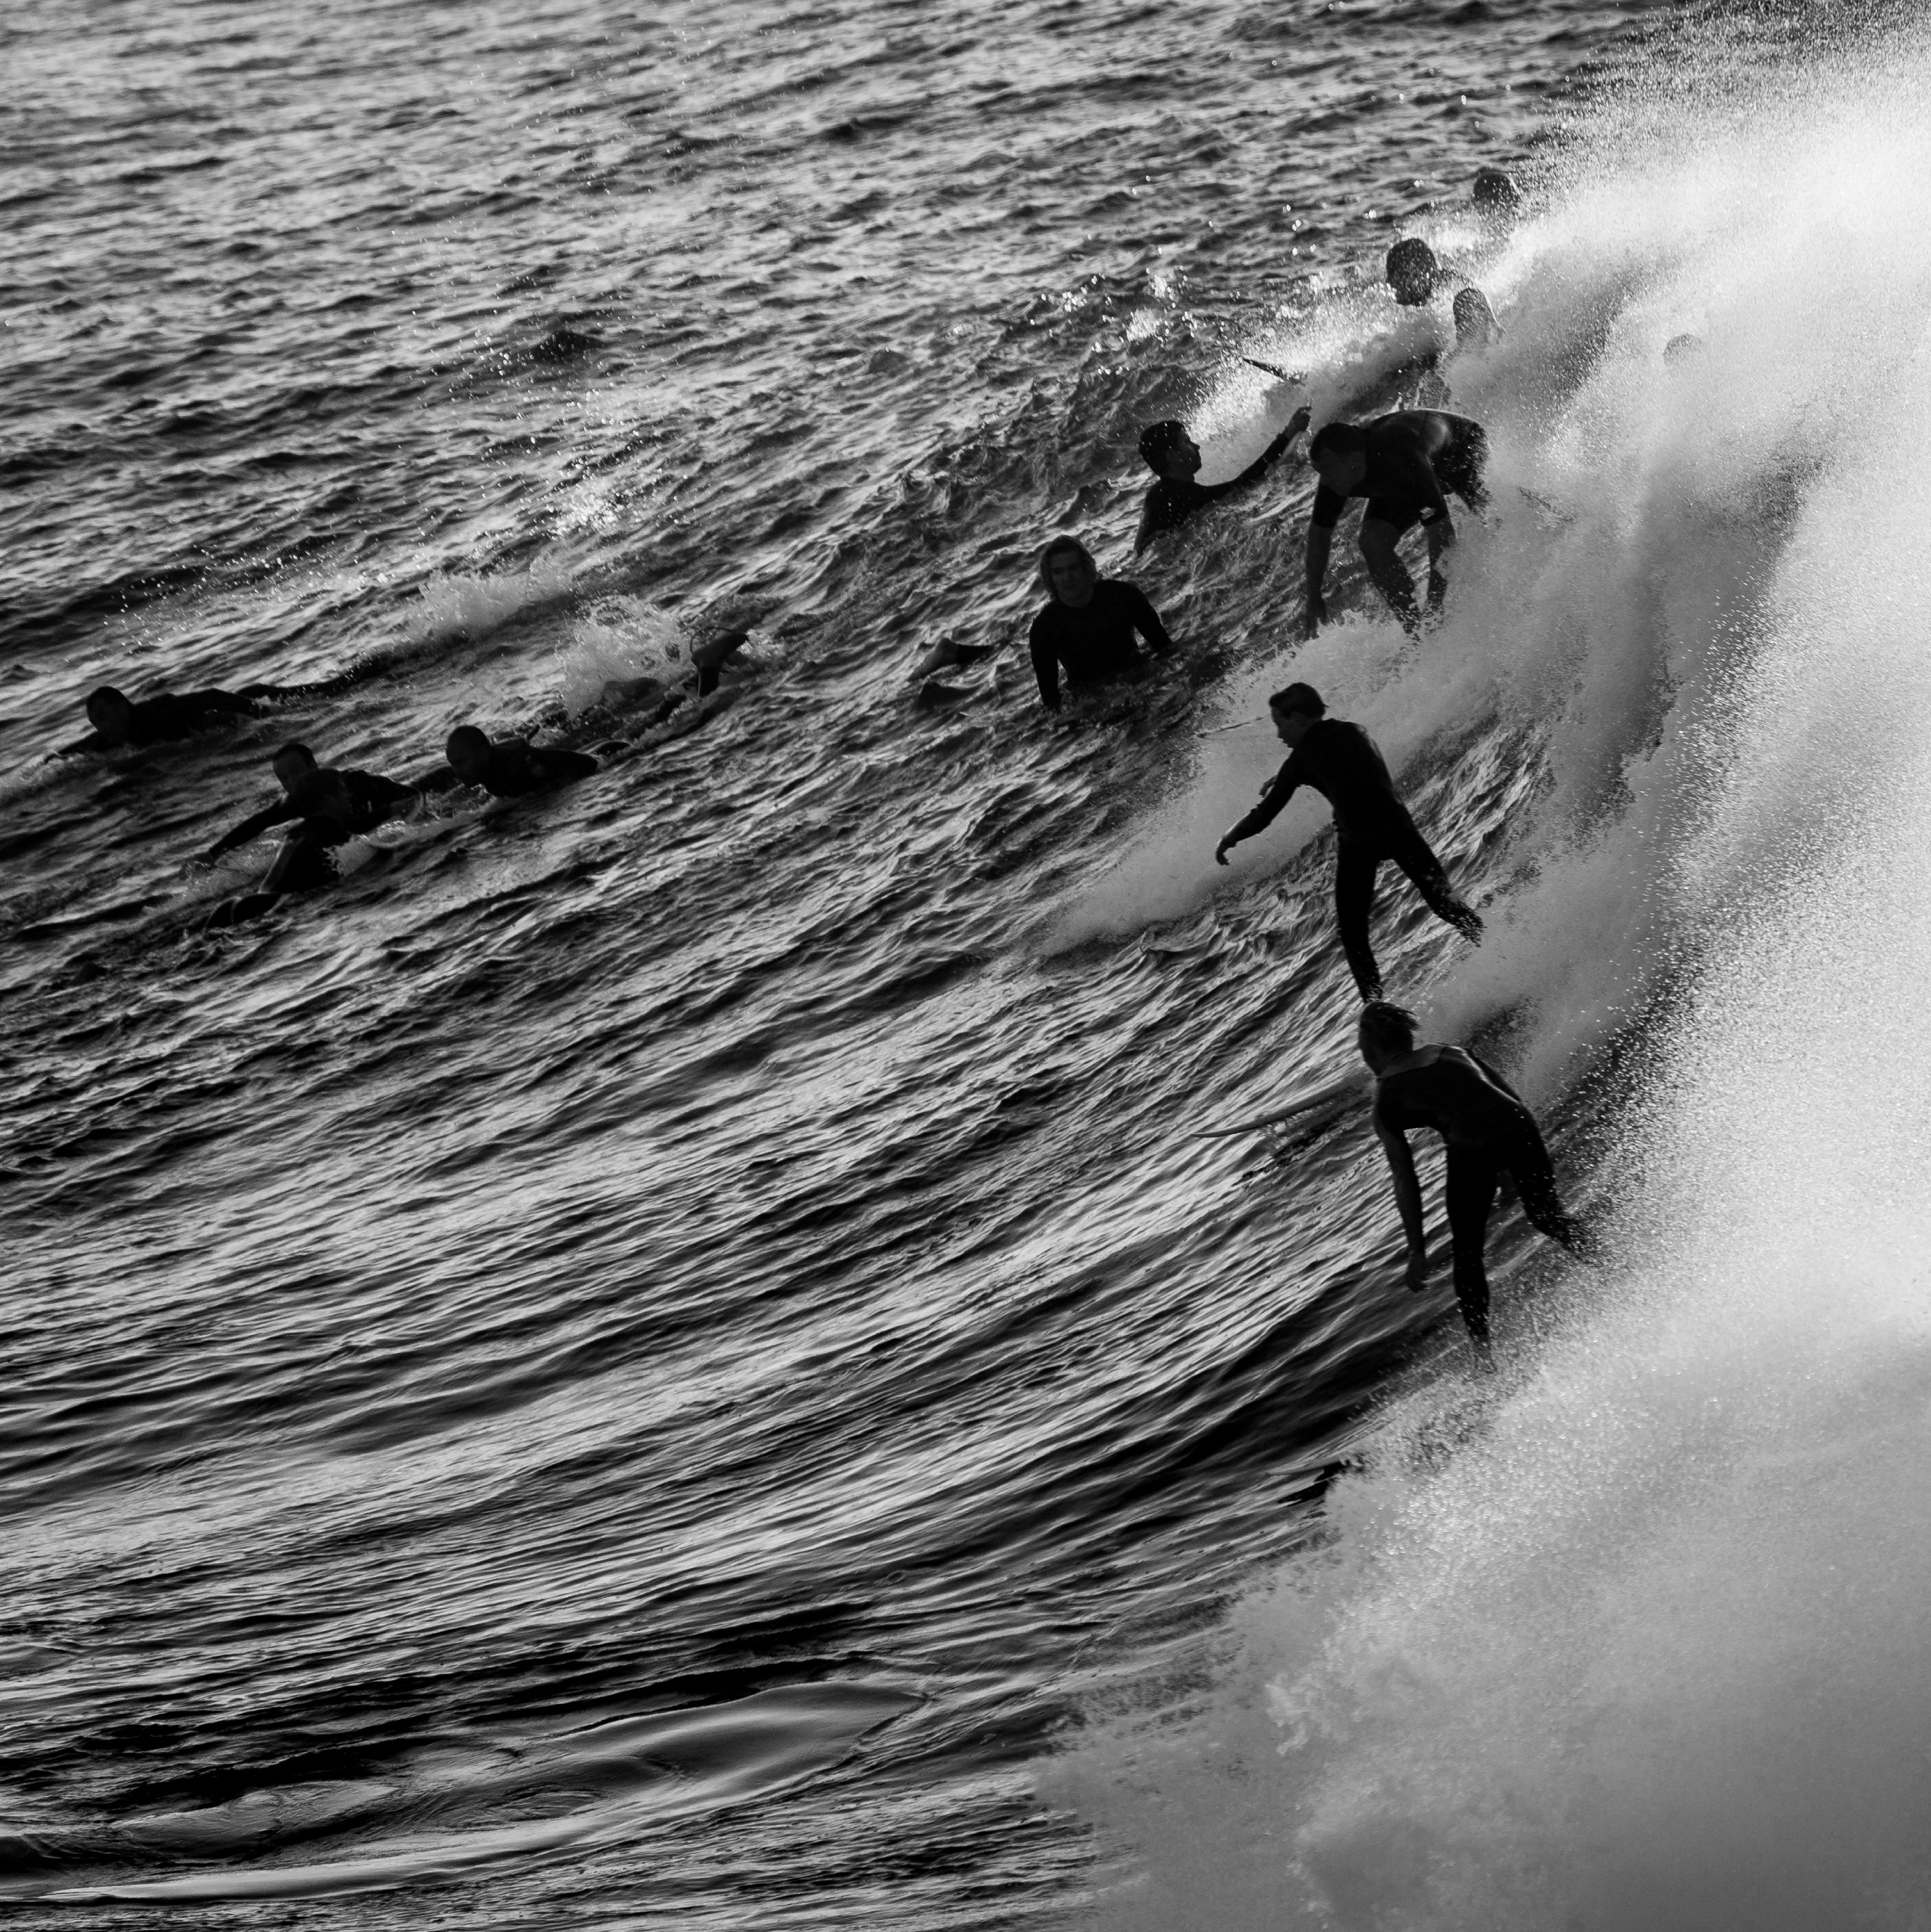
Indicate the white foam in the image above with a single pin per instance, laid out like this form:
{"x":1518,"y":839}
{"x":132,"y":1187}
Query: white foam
{"x":623,"y":638}
{"x":457,"y":604}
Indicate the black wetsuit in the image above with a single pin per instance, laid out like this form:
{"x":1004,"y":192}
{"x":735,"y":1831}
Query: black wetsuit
{"x":516,"y":770}
{"x":305,"y":862}
{"x":1405,"y":487}
{"x":376,"y":798}
{"x":1340,"y":761}
{"x":1488,"y":1132}
{"x":158,"y":721}
{"x":1094,"y":642}
{"x":1174,"y":500}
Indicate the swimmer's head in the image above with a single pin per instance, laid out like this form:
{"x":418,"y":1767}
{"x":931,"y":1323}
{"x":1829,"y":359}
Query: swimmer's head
{"x":1169,"y":450}
{"x":467,"y":751}
{"x":290,"y":763}
{"x":111,"y":712}
{"x":1411,"y":271}
{"x":1385,"y":1032}
{"x":1339,"y":454}
{"x":1496,"y":194}
{"x":1679,"y":347}
{"x":1295,"y":709}
{"x":1066,"y":569}
{"x":322,"y":794}
{"x":1475,"y":324}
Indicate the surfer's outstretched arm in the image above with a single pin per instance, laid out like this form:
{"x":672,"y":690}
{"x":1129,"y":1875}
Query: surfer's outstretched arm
{"x":251,"y":828}
{"x":1407,"y":1197}
{"x":1274,"y":798}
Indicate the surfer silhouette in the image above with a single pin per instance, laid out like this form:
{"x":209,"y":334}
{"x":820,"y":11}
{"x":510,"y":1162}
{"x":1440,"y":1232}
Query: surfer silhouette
{"x":372,"y":799}
{"x":1488,"y":1130}
{"x":1174,"y":457}
{"x":1088,"y":626}
{"x":1402,"y":463}
{"x":507,"y":768}
{"x":329,"y":815}
{"x":119,"y":720}
{"x":1342,"y":762}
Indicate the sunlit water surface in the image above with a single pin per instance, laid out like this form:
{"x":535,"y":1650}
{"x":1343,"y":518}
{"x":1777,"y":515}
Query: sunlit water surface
{"x":677,"y":1352}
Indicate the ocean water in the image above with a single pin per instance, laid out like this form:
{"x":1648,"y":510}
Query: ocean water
{"x":681,"y":1352}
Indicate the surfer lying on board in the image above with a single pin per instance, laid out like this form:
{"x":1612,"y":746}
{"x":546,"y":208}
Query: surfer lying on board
{"x":1402,"y":463}
{"x":1341,"y":762}
{"x":372,"y":799}
{"x":1488,"y":1132}
{"x":118,"y":721}
{"x":1088,"y":626}
{"x":330,"y":816}
{"x":509,"y":768}
{"x":1175,"y":458}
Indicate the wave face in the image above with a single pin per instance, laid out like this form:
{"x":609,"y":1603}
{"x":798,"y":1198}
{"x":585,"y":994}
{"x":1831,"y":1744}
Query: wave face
{"x":684,"y":1350}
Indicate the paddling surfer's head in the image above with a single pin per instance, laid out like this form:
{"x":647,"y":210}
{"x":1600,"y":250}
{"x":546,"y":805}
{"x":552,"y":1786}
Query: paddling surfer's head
{"x":291,"y":764}
{"x":111,"y":712}
{"x":1295,"y":711}
{"x":1066,"y":569}
{"x":467,"y":751}
{"x":1411,"y":271}
{"x":1384,"y":1033}
{"x":1169,"y":450}
{"x":1339,"y":454}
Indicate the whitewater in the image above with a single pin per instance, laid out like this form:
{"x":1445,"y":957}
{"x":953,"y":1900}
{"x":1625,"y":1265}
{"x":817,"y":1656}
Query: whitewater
{"x":684,"y":1351}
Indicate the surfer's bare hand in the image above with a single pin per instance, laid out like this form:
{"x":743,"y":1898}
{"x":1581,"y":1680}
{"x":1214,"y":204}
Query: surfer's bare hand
{"x":1317,"y":616}
{"x":1418,"y":1269}
{"x":1299,"y":420}
{"x":1221,"y":851}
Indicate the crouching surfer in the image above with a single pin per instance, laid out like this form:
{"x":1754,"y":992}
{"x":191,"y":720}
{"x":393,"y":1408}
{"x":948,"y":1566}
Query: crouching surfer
{"x":1489,"y":1131}
{"x":1402,"y":463}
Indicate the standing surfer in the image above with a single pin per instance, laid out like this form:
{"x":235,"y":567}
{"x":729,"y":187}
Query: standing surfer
{"x":1343,"y":763}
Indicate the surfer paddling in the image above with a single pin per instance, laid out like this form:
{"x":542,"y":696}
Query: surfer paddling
{"x":372,"y":798}
{"x":1343,"y":763}
{"x":329,"y":815}
{"x":507,"y":768}
{"x":1402,"y":463}
{"x":119,"y":720}
{"x":1088,"y":626}
{"x":1488,"y":1132}
{"x":1174,"y":457}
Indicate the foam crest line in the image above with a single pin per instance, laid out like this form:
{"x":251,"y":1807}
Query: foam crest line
{"x":1633,"y":1640}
